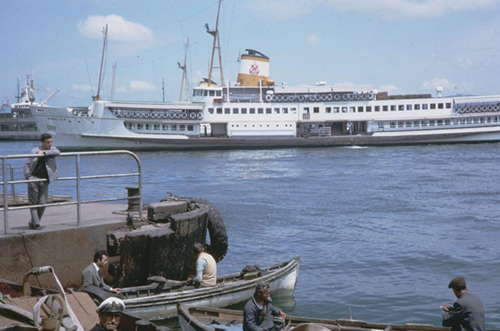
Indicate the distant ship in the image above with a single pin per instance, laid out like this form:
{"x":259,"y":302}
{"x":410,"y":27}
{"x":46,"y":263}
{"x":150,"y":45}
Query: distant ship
{"x":254,"y":113}
{"x":16,"y":120}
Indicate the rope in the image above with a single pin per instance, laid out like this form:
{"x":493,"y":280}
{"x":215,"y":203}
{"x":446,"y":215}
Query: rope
{"x":47,"y":252}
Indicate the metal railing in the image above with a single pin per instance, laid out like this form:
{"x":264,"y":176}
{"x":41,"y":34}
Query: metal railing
{"x":12,"y":186}
{"x":78,"y":178}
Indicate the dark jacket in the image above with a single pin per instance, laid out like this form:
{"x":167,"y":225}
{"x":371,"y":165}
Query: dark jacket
{"x":98,"y":327}
{"x":467,"y":314}
{"x":256,"y":319}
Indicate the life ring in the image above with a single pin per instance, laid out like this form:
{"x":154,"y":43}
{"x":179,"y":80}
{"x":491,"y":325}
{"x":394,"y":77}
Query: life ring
{"x":336,"y":97}
{"x":329,"y":97}
{"x":269,"y":97}
{"x":358,"y":96}
{"x":346,"y":96}
{"x":192,"y":116}
{"x":200,"y":116}
{"x":170,"y":115}
{"x":279,"y":98}
{"x":146,"y":114}
{"x":184,"y":115}
{"x":312,"y":97}
{"x":351,"y":96}
{"x":217,"y":229}
{"x":120,"y":112}
{"x":306,"y":133}
{"x":300,"y":98}
{"x":177,"y":115}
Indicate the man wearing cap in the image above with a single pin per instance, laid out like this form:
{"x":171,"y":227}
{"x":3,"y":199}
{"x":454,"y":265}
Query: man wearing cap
{"x":467,"y":313}
{"x":110,"y":312}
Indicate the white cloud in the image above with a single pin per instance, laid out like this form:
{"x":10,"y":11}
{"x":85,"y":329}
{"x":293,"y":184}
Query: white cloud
{"x":141,"y":86}
{"x":82,"y":87}
{"x":312,"y":39}
{"x":442,"y":82}
{"x":392,"y":9}
{"x":118,"y":29}
{"x":389,"y":88}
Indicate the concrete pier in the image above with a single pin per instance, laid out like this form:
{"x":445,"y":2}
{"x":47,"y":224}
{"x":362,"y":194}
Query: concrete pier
{"x":60,"y":243}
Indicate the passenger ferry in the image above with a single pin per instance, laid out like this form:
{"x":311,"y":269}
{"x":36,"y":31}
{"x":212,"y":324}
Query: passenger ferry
{"x":256,"y":113}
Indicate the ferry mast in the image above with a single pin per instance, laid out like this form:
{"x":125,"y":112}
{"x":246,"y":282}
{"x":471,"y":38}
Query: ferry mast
{"x":216,"y":46}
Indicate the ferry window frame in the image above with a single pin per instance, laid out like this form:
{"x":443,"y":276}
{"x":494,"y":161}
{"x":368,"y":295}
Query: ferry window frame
{"x":236,"y":110}
{"x":439,"y":122}
{"x":219,"y":111}
{"x":416,"y":106}
{"x":352,"y":109}
{"x":368,"y":109}
{"x":218,"y":93}
{"x":425,"y":106}
{"x":316,"y":110}
{"x":328,"y":110}
{"x":401,"y":124}
{"x":393,"y":108}
{"x":173,"y":127}
{"x":409,"y":124}
{"x":260,"y":110}
{"x":344,"y":109}
{"x":276,"y":110}
{"x":285,"y":110}
{"x":190,"y":127}
{"x":164,"y":127}
{"x":243,"y":110}
{"x":147,"y":126}
{"x":448,"y":105}
{"x":336,"y":109}
{"x":392,"y":125}
{"x":377,"y":108}
{"x":269,"y":110}
{"x":211,"y":110}
{"x":360,"y":109}
{"x":409,"y":107}
{"x":401,"y":107}
{"x":182,"y":127}
{"x":293,"y":110}
{"x":252,"y":110}
{"x":385,"y":108}
{"x":306,"y":110}
{"x":212,"y":93}
{"x":156,"y":127}
{"x":432,"y":106}
{"x":440,"y":106}
{"x":432,"y":123}
{"x":227,"y":110}
{"x":139,"y":126}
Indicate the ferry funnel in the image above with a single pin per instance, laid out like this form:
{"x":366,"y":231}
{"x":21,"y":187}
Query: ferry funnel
{"x":254,"y":67}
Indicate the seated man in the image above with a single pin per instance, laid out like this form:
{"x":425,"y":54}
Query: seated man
{"x":206,"y":268}
{"x":258,"y":311}
{"x":110,"y":311}
{"x":91,"y":275}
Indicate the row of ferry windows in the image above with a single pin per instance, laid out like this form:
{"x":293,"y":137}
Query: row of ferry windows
{"x":455,"y":121}
{"x":206,"y":93}
{"x":160,"y":127}
{"x":284,"y":110}
{"x":361,"y":109}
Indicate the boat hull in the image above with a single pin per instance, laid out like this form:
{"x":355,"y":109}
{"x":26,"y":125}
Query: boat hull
{"x":282,"y":281}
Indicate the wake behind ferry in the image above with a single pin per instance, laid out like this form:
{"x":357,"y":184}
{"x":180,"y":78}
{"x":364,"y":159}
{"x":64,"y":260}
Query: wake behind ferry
{"x":255,"y":113}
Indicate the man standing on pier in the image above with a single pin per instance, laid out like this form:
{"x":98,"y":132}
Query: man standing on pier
{"x":43,"y":167}
{"x":467,"y":313}
{"x":91,"y":275}
{"x":206,"y":268}
{"x":258,"y":311}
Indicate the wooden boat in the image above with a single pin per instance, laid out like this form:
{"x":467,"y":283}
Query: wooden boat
{"x":159,"y":299}
{"x":75,"y":311}
{"x":210,"y":319}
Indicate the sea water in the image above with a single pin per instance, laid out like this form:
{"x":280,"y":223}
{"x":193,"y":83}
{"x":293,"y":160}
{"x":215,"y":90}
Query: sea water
{"x":380,"y":231}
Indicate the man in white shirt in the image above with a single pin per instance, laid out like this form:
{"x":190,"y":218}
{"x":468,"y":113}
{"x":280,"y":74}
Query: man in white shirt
{"x":206,"y":268}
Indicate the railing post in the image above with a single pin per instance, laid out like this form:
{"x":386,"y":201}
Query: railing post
{"x":13,"y":186}
{"x":78,"y":198}
{"x":5,"y":196}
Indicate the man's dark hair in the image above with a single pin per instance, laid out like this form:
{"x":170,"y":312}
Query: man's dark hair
{"x":98,"y":255}
{"x":45,"y":136}
{"x":460,"y":287}
{"x":198,"y":248}
{"x":261,"y":286}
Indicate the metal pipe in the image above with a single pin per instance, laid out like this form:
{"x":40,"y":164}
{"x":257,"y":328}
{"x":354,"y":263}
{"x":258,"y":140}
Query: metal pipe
{"x":78,"y":197}
{"x":5,"y":197}
{"x":13,"y":186}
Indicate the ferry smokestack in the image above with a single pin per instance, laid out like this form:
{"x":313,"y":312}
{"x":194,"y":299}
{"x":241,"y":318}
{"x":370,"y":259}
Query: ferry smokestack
{"x":439,"y":91}
{"x":254,"y":67}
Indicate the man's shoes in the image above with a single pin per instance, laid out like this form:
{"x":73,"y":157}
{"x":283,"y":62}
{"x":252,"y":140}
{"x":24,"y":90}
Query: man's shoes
{"x":34,"y":227}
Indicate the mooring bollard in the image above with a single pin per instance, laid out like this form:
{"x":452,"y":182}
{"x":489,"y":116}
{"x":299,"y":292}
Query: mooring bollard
{"x":133,"y":204}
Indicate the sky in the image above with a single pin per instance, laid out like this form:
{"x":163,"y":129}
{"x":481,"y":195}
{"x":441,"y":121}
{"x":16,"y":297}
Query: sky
{"x":398,"y":46}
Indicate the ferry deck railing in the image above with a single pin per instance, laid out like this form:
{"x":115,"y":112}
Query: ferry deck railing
{"x":78,"y":178}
